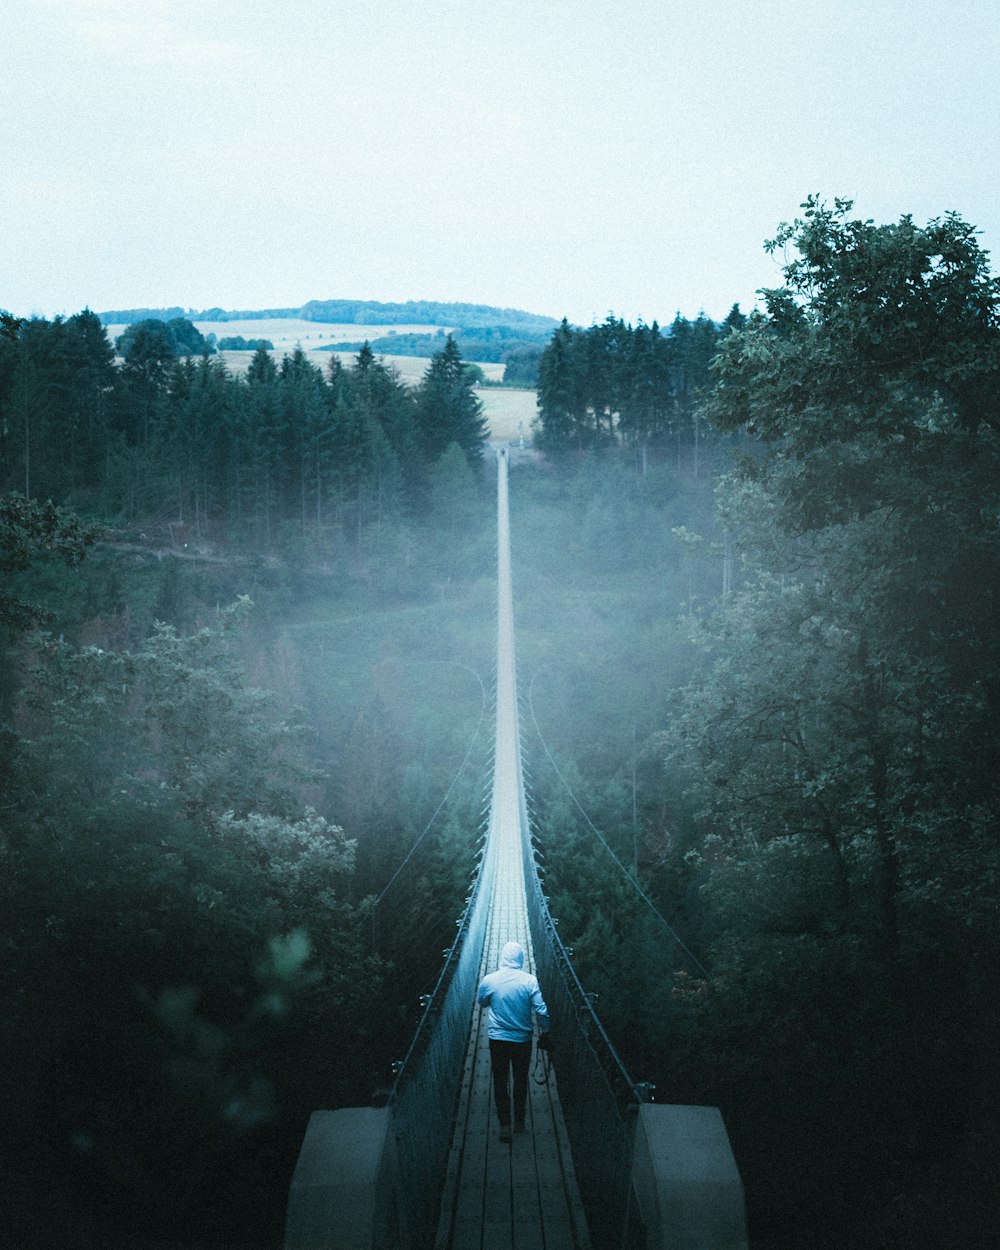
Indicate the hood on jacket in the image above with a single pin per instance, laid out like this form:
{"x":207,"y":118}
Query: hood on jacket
{"x":512,"y":955}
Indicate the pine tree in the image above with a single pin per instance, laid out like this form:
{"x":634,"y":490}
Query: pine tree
{"x":560,"y":425}
{"x":448,"y":409}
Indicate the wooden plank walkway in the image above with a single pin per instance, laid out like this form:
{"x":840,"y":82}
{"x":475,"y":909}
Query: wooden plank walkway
{"x":518,"y":1195}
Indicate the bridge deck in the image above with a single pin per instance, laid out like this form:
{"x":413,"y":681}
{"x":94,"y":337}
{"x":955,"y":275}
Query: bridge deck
{"x":518,"y":1195}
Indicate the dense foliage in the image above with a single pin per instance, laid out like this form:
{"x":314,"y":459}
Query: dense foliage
{"x":197,"y":950}
{"x":824,"y":830}
{"x":171,"y":908}
{"x":31,"y":532}
{"x":194,"y":959}
{"x":852,"y":730}
{"x":282,"y":453}
{"x":428,"y":312}
{"x":154,"y":337}
{"x":521,"y":367}
{"x":485,"y":343}
{"x":237,"y":343}
{"x":615,"y":385}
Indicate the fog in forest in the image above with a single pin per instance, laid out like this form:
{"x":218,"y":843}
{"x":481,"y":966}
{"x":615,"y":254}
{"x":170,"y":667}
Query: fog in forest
{"x":246,"y":702}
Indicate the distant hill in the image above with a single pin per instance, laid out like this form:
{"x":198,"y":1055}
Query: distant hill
{"x":523,"y":326}
{"x":481,"y":343}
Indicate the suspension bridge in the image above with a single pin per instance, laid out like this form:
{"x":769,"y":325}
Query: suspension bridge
{"x":602,"y":1167}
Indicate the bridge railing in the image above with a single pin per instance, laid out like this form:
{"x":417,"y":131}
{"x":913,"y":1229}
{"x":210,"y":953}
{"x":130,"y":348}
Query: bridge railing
{"x":598,"y":1098}
{"x":428,"y":1079}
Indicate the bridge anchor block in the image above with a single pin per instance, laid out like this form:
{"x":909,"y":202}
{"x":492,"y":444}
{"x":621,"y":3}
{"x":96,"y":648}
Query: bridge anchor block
{"x":685,"y":1179}
{"x":345,"y":1192}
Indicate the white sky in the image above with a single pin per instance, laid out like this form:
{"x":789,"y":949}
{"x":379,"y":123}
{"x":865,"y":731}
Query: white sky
{"x":568,"y":157}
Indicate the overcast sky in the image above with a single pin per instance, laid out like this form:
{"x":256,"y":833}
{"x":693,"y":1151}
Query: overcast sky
{"x":569,"y":157}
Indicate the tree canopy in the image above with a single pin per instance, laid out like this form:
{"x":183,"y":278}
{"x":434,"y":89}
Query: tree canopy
{"x":284,"y":447}
{"x":153,"y":338}
{"x":29,"y":533}
{"x":636,"y":387}
{"x":841,"y":744}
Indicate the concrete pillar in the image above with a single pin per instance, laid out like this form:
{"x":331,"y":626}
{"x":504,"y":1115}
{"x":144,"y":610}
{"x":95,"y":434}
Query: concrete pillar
{"x":344,"y":1193}
{"x":685,"y":1180}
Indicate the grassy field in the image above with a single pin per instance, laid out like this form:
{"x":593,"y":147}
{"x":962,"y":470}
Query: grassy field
{"x":286,"y":333}
{"x":509,"y":413}
{"x":410,"y":368}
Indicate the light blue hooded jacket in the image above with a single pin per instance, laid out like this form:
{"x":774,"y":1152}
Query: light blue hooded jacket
{"x":512,"y":995}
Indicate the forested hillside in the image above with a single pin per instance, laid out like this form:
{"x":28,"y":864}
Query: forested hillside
{"x":360,"y":312}
{"x":756,"y":569}
{"x":805,"y":775}
{"x":286,"y":452}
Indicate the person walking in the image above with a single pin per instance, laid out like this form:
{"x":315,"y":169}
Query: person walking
{"x":513,"y":998}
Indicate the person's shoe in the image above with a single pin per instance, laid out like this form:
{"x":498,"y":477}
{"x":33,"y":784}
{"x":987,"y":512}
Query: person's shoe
{"x":505,"y":1132}
{"x":519,"y":1126}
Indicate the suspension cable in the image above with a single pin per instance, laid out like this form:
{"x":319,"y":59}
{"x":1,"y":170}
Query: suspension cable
{"x":461,"y":768}
{"x":624,"y":871}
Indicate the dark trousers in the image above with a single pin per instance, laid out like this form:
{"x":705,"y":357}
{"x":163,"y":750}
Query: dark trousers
{"x":515,"y":1056}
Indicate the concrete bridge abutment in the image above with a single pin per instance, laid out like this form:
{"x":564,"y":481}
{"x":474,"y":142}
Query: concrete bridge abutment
{"x":345,"y":1192}
{"x":685,"y":1180}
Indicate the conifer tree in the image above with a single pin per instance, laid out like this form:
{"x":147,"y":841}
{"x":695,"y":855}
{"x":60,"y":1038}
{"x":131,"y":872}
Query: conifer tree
{"x":448,"y":409}
{"x":560,"y":385}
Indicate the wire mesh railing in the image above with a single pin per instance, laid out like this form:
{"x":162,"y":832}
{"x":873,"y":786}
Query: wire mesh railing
{"x":597,"y":1096}
{"x":429,"y":1078}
